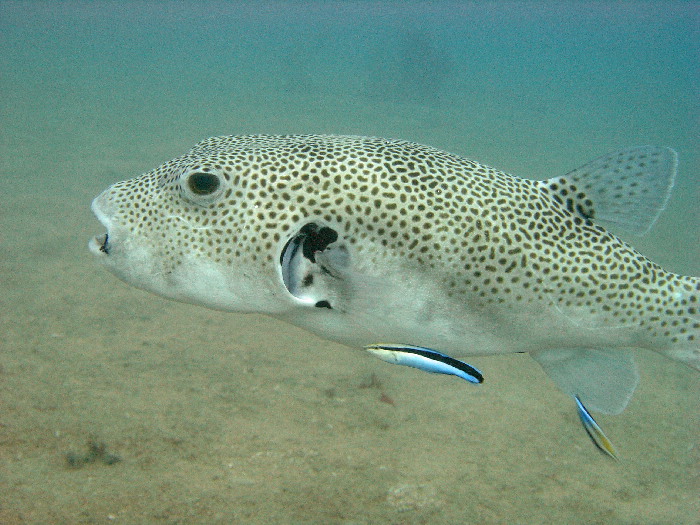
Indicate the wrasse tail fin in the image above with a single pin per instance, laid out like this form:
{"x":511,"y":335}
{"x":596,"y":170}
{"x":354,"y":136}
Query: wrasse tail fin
{"x":594,"y":431}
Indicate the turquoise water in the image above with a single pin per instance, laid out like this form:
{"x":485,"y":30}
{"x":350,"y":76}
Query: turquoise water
{"x":230,"y":418}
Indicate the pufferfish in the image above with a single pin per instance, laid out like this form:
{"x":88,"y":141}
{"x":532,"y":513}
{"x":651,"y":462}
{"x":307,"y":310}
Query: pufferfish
{"x":365,"y":240}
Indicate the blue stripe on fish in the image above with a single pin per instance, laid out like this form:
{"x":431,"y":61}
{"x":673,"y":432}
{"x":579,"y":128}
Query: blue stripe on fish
{"x":425,"y":359}
{"x":594,"y":431}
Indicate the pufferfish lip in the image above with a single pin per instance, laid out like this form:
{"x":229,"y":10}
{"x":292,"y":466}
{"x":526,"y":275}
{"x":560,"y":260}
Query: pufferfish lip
{"x":99,"y":244}
{"x":104,"y":242}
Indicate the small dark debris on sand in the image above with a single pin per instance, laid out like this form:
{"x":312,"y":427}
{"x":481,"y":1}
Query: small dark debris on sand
{"x":97,"y":452}
{"x":372,"y":381}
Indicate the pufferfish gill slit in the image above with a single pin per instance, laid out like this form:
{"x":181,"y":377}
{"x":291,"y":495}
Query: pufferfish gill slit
{"x":400,"y":242}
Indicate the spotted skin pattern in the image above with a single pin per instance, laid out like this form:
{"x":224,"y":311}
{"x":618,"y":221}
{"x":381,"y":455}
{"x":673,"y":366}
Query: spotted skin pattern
{"x":489,"y":241}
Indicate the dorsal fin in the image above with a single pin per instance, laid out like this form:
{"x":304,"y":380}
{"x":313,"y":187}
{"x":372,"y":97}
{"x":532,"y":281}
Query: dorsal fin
{"x":570,"y":197}
{"x":628,"y":188}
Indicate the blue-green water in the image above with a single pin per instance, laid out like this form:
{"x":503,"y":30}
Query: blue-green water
{"x":230,"y":418}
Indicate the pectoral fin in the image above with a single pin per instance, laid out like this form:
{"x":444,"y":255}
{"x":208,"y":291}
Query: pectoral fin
{"x":304,"y":274}
{"x":602,"y":379}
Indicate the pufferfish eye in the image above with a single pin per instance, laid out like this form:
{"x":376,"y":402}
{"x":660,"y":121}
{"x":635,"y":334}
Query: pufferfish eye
{"x":203,"y":183}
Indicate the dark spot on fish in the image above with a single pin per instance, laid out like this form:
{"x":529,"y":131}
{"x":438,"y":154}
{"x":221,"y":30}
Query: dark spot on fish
{"x":316,"y":239}
{"x":583,"y":212}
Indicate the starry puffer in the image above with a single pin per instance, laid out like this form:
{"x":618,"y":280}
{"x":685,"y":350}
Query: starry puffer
{"x":362,"y":240}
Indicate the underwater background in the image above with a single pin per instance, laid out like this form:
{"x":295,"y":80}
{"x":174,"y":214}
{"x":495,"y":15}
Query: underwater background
{"x":119,"y":406}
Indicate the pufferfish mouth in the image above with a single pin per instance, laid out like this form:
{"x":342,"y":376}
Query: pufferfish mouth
{"x":100,"y":243}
